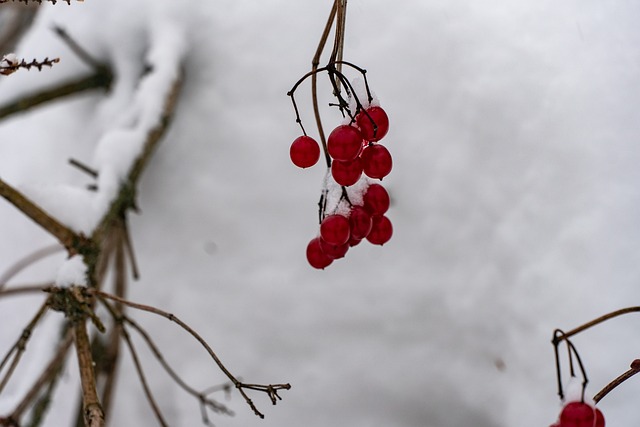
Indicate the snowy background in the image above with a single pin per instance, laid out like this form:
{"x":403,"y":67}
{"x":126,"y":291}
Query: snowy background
{"x":514,"y":131}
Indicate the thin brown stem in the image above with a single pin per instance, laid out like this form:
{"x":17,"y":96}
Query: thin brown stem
{"x":270,"y":389}
{"x":92,"y":409}
{"x":595,"y":322}
{"x":70,"y":240}
{"x":28,"y":260}
{"x":635,"y":368}
{"x":17,"y":350}
{"x":143,"y":380}
{"x":99,"y":80}
{"x":51,"y":371}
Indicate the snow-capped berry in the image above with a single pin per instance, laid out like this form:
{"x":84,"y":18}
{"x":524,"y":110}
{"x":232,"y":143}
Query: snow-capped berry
{"x":577,"y":414}
{"x":376,"y":115}
{"x":316,"y":257}
{"x":304,"y":151}
{"x":360,"y":222}
{"x":381,"y":230}
{"x":376,"y":161}
{"x":344,"y":143}
{"x":334,"y":230}
{"x":376,"y":199}
{"x":346,"y":172}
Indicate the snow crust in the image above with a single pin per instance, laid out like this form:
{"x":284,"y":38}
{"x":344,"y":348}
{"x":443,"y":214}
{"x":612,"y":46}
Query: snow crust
{"x":72,"y":272}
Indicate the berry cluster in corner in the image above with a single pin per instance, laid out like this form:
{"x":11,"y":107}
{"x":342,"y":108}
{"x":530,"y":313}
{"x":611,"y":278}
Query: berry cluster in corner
{"x":352,"y":205}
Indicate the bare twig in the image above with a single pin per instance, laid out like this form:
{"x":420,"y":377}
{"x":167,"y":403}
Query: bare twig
{"x":27,"y":261}
{"x":93,"y":413}
{"x":98,"y":80}
{"x":19,"y":347}
{"x":271,"y":389}
{"x":49,"y":375}
{"x":143,"y":380}
{"x":634,"y":369}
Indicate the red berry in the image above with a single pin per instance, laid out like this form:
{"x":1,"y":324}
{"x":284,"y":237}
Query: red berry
{"x":379,"y":117}
{"x":376,"y":161}
{"x":360,"y":223}
{"x":334,"y":251}
{"x":344,"y":143}
{"x":577,"y":414}
{"x":316,"y":257}
{"x":376,"y":199}
{"x":346,"y":172}
{"x":334,"y":230}
{"x":381,"y":230}
{"x":304,"y":151}
{"x":599,"y":418}
{"x":354,"y":242}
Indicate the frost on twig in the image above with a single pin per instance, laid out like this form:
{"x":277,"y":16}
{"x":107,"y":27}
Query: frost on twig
{"x":39,"y":1}
{"x":9,"y":64}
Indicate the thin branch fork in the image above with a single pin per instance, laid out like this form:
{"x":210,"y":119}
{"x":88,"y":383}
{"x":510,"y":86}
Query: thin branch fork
{"x":271,"y":390}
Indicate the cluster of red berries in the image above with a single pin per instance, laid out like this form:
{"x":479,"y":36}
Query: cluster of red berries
{"x":354,"y":150}
{"x":340,"y":232}
{"x":579,"y":414}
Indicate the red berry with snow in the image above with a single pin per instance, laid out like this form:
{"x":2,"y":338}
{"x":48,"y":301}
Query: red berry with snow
{"x":360,"y":223}
{"x":376,"y":161}
{"x":334,"y":230}
{"x":346,"y":172}
{"x":381,"y":230}
{"x":316,"y":257}
{"x":577,"y":414}
{"x":366,"y":123}
{"x":344,"y":143}
{"x":304,"y":151}
{"x":376,"y":199}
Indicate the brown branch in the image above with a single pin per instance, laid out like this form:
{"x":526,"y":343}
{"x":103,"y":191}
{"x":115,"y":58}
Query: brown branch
{"x":26,"y":289}
{"x":271,"y":390}
{"x":634,"y":369}
{"x":17,"y":350}
{"x":99,"y":80}
{"x":143,"y":380}
{"x":27,"y":261}
{"x":73,"y":242}
{"x":52,"y":370}
{"x":126,"y":196}
{"x":565,"y":335}
{"x":93,"y":413}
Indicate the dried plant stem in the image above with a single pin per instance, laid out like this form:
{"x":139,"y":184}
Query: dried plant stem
{"x":98,"y":80}
{"x":27,"y":261}
{"x":595,"y":322}
{"x":635,"y":368}
{"x":143,"y":380}
{"x":92,"y":409}
{"x":49,"y":374}
{"x":17,"y":350}
{"x":65,"y":236}
{"x":22,"y":290}
{"x":271,"y":390}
